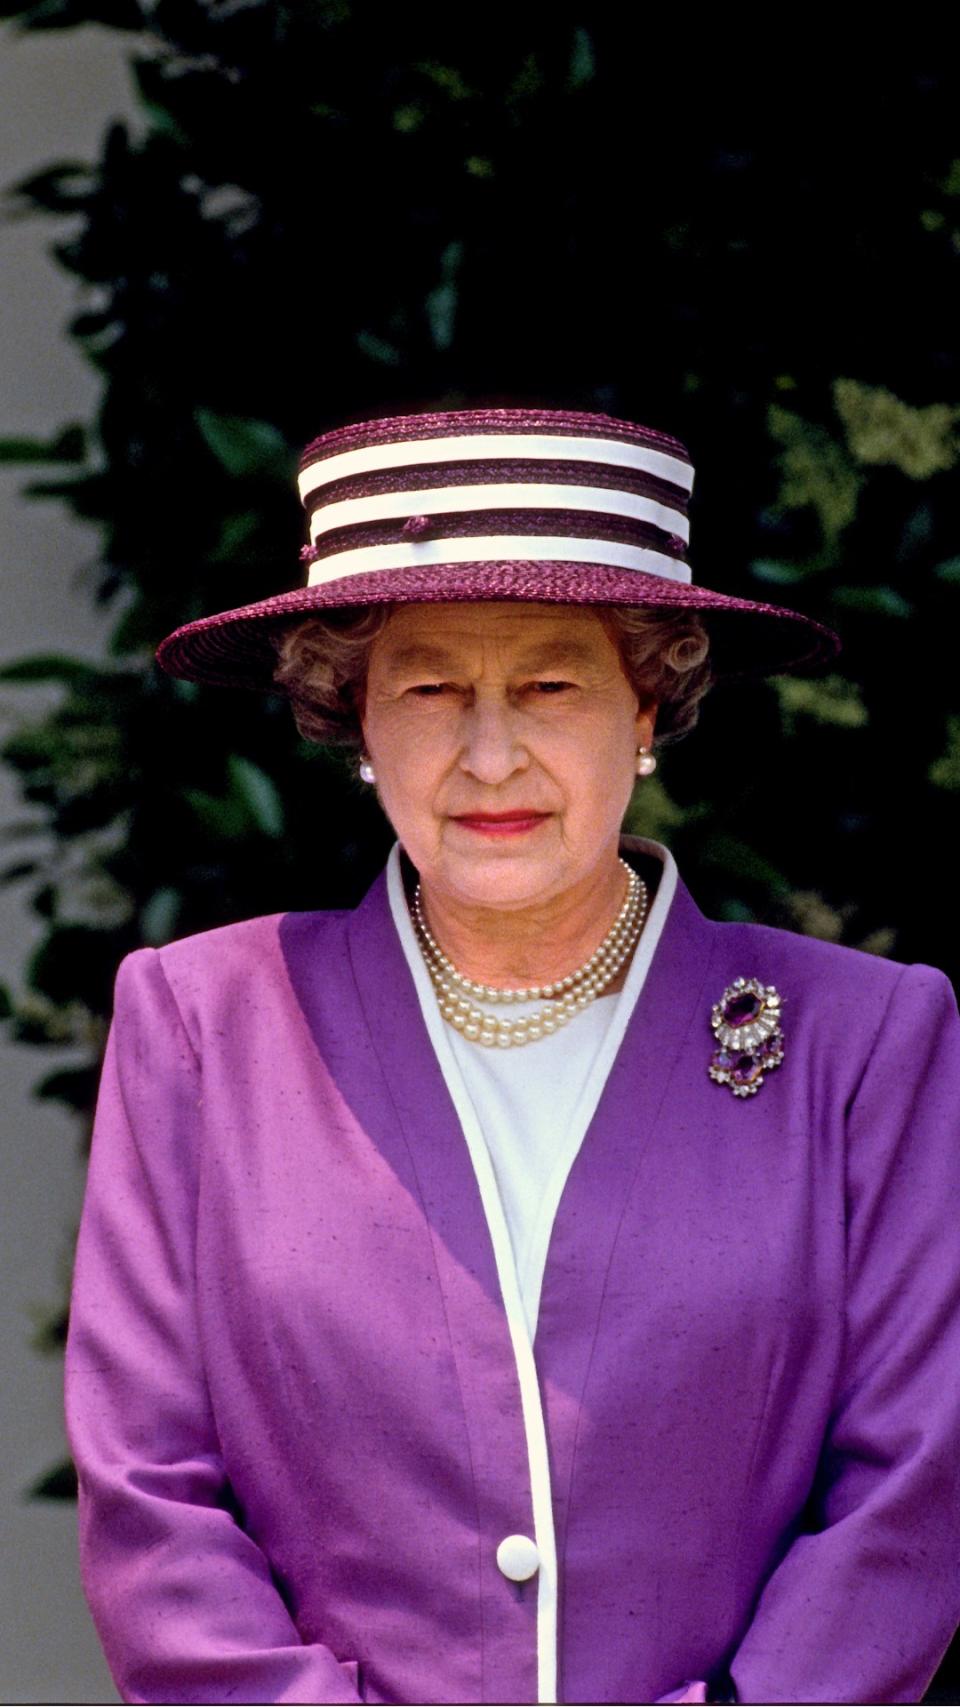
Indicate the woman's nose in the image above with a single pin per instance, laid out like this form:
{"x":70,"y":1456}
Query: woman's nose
{"x":492,"y":749}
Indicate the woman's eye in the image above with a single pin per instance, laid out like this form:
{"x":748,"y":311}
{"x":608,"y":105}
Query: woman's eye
{"x":551,"y":687}
{"x":427,"y":690}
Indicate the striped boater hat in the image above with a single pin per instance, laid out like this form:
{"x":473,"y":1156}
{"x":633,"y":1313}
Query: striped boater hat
{"x":537,"y":505}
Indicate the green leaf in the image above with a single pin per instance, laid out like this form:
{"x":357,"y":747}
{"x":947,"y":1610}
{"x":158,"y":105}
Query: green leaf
{"x":60,"y":1483}
{"x":258,"y":793}
{"x":736,"y":912}
{"x":441,"y":313}
{"x":441,"y":303}
{"x":19,"y":869}
{"x":158,"y":916}
{"x":945,"y":771}
{"x":50,"y":1333}
{"x":740,"y":860}
{"x":49,"y":667}
{"x":781,"y":574}
{"x":44,"y":901}
{"x":831,"y":700}
{"x":814,"y":916}
{"x":446,"y":78}
{"x":136,"y":630}
{"x":75,"y":1086}
{"x":882,"y":941}
{"x":69,"y":14}
{"x":72,"y":954}
{"x":583,"y":64}
{"x":408,"y":118}
{"x":652,"y":812}
{"x":69,"y":445}
{"x":72,"y":492}
{"x":949,"y":571}
{"x":236,"y":532}
{"x":875,"y":601}
{"x":65,"y":188}
{"x":246,"y":448}
{"x":815,"y":471}
{"x":221,"y":818}
{"x":26,"y":829}
{"x":378,"y":349}
{"x":880,"y":428}
{"x":528,"y":83}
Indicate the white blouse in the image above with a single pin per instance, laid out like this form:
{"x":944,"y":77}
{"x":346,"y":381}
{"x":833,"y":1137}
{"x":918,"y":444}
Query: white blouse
{"x":534,"y":1104}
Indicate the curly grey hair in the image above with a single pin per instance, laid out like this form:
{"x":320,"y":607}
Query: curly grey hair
{"x":322,"y":667}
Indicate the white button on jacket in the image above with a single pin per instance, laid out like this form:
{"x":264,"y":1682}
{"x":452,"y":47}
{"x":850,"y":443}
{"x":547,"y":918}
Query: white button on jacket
{"x":518,"y":1558}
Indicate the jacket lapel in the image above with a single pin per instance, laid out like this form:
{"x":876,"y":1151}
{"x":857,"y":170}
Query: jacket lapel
{"x":415,"y":1086}
{"x":634,"y":1104}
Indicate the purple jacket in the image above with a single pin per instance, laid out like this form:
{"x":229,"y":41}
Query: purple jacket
{"x":294,"y":1399}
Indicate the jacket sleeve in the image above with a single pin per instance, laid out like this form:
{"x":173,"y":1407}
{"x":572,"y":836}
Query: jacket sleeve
{"x":867,"y":1597}
{"x":182,"y":1597}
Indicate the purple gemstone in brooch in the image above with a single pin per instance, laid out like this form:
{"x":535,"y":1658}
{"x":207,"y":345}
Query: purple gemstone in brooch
{"x":746,"y":1025}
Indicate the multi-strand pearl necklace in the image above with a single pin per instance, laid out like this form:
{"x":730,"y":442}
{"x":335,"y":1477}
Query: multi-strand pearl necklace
{"x":459,"y":996}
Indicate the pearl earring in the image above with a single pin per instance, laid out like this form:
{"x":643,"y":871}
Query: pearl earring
{"x":646,"y":762}
{"x":367,"y":772}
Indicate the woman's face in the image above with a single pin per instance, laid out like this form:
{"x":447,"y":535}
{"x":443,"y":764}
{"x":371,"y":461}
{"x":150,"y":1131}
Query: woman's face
{"x":504,"y":740}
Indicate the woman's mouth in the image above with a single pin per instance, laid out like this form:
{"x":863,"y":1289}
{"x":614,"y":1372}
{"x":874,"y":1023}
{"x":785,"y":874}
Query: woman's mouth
{"x":501,"y":824}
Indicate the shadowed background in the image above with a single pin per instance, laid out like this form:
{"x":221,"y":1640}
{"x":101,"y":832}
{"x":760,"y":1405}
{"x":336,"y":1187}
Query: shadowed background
{"x":323,"y":211}
{"x":55,"y":94}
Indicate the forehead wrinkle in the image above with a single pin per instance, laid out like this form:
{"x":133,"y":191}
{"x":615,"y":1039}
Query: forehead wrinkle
{"x":556,"y":652}
{"x":417,"y":655}
{"x":420,"y":655}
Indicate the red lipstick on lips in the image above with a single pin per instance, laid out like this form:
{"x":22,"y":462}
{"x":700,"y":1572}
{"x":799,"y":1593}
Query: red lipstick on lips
{"x":516,"y":823}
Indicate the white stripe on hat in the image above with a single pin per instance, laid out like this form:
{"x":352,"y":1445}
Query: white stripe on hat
{"x":494,"y":548}
{"x":515,"y":495}
{"x":479,"y":447}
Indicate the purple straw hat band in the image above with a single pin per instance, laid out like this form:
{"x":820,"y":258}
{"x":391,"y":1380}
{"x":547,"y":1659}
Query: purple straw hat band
{"x":435,"y":475}
{"x":491,"y":526}
{"x":445,"y":422}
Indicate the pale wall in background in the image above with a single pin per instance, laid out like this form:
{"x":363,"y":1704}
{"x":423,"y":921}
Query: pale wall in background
{"x":57,"y":93}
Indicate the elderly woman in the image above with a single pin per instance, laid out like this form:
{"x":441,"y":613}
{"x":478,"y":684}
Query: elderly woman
{"x":486,"y":1296}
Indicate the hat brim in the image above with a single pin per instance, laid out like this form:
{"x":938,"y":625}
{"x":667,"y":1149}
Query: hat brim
{"x":237,"y":648}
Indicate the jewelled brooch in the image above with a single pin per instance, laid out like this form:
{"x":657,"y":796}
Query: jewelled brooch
{"x":746,"y":1025}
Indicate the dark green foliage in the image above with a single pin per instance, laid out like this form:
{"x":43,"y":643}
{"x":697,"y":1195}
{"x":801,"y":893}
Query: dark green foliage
{"x":337,"y":209}
{"x":57,"y":1484}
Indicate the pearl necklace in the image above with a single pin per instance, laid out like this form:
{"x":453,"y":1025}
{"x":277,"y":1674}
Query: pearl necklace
{"x":458,"y":995}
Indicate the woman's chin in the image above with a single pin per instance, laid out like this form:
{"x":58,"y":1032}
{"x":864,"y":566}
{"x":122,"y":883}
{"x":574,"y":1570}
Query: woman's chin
{"x":501,"y":875}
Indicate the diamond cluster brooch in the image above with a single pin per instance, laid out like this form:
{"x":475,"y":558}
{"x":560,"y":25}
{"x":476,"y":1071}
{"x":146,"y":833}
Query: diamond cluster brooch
{"x":746,"y":1025}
